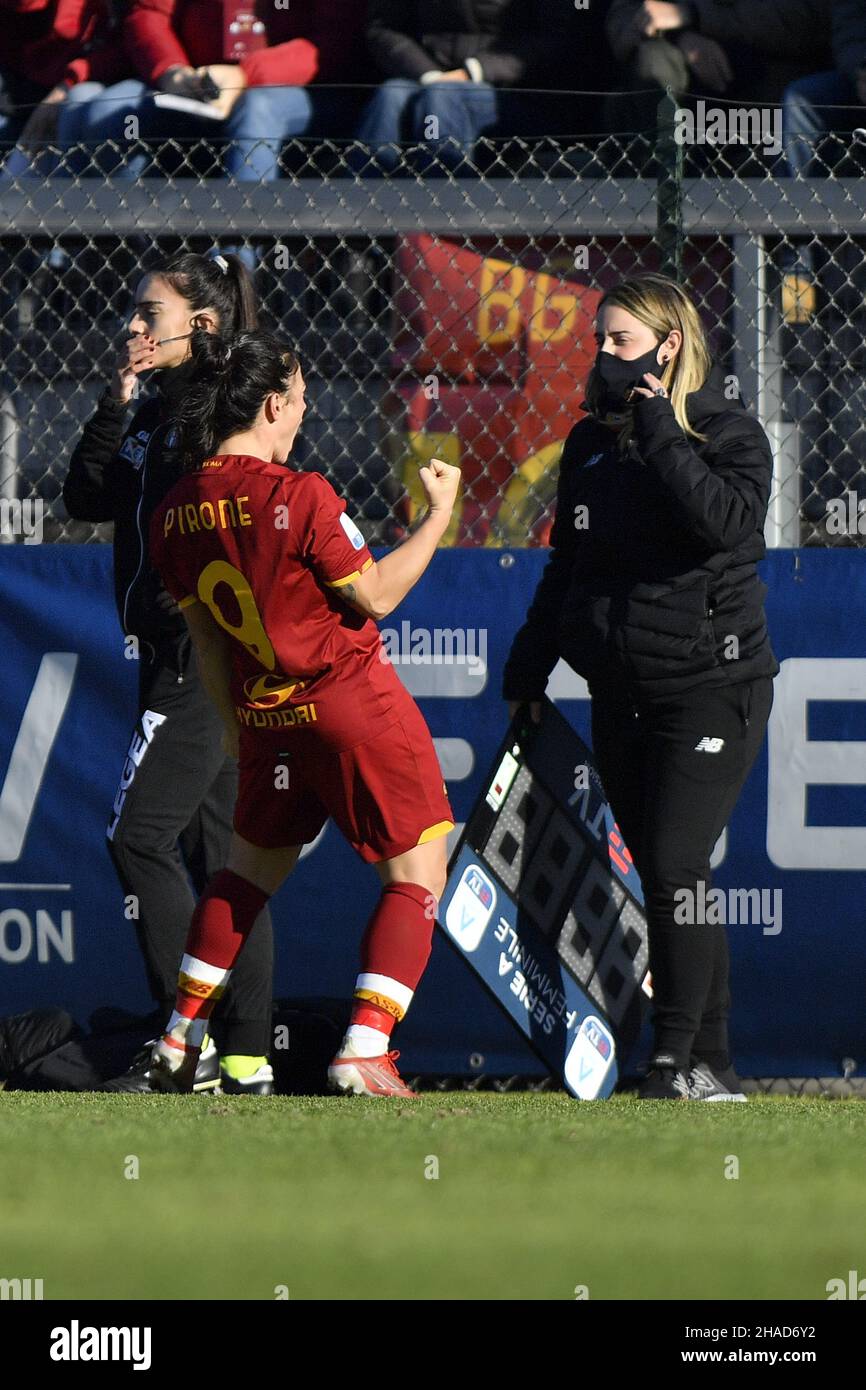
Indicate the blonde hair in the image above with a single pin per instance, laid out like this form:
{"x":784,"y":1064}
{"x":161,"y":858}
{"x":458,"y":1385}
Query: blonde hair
{"x":662,"y":305}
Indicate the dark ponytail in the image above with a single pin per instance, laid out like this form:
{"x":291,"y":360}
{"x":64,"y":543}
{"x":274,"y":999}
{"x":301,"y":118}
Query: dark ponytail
{"x":204,"y":284}
{"x":225,"y":387}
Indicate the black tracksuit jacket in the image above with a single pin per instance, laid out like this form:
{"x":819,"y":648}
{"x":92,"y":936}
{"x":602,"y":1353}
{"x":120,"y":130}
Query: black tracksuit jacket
{"x":516,"y":41}
{"x":120,"y":472}
{"x":645,"y":598}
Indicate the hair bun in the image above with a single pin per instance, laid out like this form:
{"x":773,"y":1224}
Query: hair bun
{"x":217,"y":351}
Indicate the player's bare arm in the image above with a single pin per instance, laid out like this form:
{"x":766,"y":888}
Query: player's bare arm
{"x":378,"y":591}
{"x":212,"y":647}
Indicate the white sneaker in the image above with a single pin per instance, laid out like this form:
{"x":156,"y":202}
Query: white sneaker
{"x":704,"y":1084}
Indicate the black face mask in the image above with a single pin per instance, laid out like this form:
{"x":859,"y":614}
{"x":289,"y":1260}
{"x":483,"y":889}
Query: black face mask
{"x":618,"y":377}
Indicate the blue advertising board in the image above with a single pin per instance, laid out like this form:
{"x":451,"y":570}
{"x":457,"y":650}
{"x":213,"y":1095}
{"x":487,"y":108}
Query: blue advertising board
{"x":67,"y":699}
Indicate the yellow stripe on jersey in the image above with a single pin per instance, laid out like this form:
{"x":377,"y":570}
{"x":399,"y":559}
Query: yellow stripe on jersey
{"x":185,"y":602}
{"x":350,"y":578}
{"x":434,"y":831}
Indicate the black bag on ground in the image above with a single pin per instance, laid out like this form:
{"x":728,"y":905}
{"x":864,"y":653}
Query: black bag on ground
{"x":77,"y":1061}
{"x":26,"y":1038}
{"x":45,"y":1050}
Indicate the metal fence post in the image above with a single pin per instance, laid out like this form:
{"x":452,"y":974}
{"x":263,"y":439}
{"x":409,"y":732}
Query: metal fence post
{"x":759,"y":367}
{"x":782,"y":526}
{"x":10,"y":431}
{"x":669,"y":189}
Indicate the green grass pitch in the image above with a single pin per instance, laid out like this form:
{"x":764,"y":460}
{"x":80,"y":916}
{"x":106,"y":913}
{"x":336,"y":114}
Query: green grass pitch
{"x":536,"y":1195}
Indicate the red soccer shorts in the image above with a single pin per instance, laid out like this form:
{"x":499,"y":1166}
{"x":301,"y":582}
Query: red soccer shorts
{"x":386,"y":794}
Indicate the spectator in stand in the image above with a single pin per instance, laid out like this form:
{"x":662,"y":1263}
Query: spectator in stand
{"x":807,"y":113}
{"x":458,"y":61}
{"x":58,"y":45}
{"x":824,"y":286}
{"x":814,"y":109}
{"x":737,"y":49}
{"x":256,"y":79}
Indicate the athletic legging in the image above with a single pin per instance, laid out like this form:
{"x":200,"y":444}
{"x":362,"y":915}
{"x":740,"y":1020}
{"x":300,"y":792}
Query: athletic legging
{"x":672,"y":788}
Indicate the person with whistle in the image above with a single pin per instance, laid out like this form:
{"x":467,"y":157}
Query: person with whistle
{"x":171,"y":817}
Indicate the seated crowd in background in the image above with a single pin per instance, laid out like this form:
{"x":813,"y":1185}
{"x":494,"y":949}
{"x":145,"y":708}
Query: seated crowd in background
{"x":187,"y":73}
{"x":436,"y":74}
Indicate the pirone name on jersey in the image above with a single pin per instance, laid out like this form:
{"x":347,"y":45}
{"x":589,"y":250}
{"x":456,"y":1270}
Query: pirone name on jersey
{"x":150,"y":722}
{"x":277,"y":718}
{"x":227,"y":513}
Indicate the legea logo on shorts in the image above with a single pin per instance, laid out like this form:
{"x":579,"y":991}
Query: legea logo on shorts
{"x":589,"y":1057}
{"x":471,"y":907}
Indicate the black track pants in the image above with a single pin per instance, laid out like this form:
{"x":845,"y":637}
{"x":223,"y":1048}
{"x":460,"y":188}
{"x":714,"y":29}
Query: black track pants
{"x":672,"y":787}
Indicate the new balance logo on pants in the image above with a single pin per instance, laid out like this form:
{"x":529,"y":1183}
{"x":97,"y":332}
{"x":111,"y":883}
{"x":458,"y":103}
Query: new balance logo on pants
{"x":709,"y":745}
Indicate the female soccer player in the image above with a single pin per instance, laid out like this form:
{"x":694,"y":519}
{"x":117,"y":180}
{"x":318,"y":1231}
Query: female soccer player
{"x":279,"y":591}
{"x":173,"y":808}
{"x":651,"y":593}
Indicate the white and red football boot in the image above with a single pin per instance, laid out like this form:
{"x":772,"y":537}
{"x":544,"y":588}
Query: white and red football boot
{"x":367,"y":1076}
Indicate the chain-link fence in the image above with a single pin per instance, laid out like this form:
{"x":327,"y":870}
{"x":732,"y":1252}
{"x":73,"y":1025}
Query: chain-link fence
{"x":443,"y":304}
{"x":827,"y":1087}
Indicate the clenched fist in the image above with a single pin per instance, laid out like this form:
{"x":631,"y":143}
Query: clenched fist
{"x":440,"y":482}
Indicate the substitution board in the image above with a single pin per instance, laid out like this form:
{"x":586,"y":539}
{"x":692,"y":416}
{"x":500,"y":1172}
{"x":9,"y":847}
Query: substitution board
{"x":545,"y":905}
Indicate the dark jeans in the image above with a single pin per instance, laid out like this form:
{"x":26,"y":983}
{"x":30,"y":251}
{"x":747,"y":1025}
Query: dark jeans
{"x":175,"y":816}
{"x":812,"y":107}
{"x":672,"y":800}
{"x":261,"y":122}
{"x":444,"y":119}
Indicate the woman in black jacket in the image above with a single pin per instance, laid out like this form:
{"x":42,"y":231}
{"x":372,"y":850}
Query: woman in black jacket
{"x":651,"y":593}
{"x":173,"y":808}
{"x":455,"y":67}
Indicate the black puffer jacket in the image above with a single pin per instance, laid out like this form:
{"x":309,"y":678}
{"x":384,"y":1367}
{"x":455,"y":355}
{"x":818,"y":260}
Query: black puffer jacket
{"x":514,"y":40}
{"x":120,"y":472}
{"x":793,"y":30}
{"x":647,"y":595}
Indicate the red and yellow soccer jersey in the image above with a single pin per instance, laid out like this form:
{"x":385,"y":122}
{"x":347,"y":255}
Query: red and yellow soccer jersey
{"x":267,"y":551}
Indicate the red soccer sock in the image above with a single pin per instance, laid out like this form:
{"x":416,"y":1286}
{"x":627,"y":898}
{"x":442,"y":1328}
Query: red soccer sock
{"x":220,"y":925}
{"x":395,"y":950}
